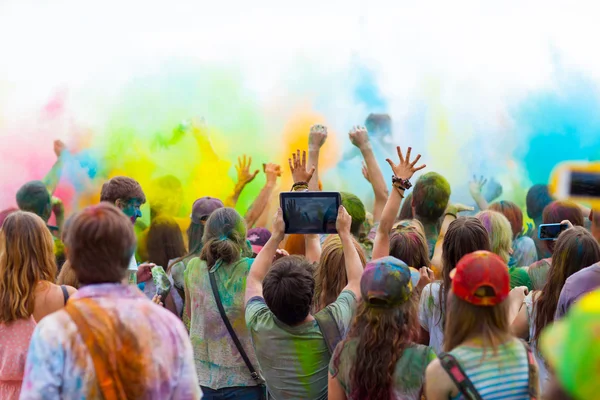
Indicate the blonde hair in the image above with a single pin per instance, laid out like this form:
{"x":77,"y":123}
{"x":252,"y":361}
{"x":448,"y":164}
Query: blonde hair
{"x":26,"y":258}
{"x":499,"y":231}
{"x":330,"y":276}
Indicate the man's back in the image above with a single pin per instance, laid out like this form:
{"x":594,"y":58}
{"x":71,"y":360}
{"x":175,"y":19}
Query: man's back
{"x":294,"y":360}
{"x":59,"y":364}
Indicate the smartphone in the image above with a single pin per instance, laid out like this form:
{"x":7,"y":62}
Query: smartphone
{"x":577,"y":182}
{"x":310,"y":212}
{"x":551,"y":231}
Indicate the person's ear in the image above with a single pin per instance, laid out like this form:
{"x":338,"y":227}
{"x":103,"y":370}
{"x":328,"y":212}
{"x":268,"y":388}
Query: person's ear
{"x":119,"y":204}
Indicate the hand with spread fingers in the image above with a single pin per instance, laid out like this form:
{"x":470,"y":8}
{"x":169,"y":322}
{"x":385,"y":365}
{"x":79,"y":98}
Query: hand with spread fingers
{"x":405,"y":169}
{"x":476,"y":185}
{"x":243,"y":170}
{"x":298,"y":168}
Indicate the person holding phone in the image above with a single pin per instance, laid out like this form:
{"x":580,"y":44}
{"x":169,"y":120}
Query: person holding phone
{"x":556,"y":212}
{"x":293,"y":347}
{"x":575,"y":250}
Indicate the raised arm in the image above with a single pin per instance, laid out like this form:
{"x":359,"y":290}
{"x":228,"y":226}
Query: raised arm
{"x":272,"y":171}
{"x":264,"y":259}
{"x":403,"y":171}
{"x":360,"y":138}
{"x":53,"y":177}
{"x":476,"y":188}
{"x":354,"y":268}
{"x":244,"y":177}
{"x":312,"y":246}
{"x":316,"y":139}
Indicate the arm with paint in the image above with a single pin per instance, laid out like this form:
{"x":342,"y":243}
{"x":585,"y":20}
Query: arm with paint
{"x":53,"y":177}
{"x":371,"y":171}
{"x":272,"y":171}
{"x":244,"y":177}
{"x":476,"y":188}
{"x":405,"y":169}
{"x":264,"y":259}
{"x":316,"y":140}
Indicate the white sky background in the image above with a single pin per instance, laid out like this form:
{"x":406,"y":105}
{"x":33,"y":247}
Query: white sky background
{"x":473,"y":57}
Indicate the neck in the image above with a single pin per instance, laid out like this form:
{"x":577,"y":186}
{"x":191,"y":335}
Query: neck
{"x":431,"y":228}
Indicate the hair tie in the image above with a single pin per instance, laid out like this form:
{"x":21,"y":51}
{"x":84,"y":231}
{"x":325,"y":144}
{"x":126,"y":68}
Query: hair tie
{"x":222,"y":238}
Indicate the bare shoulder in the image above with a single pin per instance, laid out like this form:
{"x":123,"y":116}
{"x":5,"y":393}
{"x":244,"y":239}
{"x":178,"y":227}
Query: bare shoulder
{"x":438,"y":383}
{"x":48,"y":299}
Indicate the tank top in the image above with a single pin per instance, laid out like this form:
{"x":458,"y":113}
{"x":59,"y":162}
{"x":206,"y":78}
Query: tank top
{"x":504,"y":375}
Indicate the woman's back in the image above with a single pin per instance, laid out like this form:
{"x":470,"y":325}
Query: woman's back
{"x":503,"y":374}
{"x":218,"y":362}
{"x":408,"y":377}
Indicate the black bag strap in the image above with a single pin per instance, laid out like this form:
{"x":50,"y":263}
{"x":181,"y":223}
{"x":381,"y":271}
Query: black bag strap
{"x":236,"y":340}
{"x":65,"y":293}
{"x":458,"y":376}
{"x":533,"y":372}
{"x":329,"y":328}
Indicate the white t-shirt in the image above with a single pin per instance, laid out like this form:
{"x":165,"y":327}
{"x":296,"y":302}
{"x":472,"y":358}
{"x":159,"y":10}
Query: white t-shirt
{"x":430,"y":316}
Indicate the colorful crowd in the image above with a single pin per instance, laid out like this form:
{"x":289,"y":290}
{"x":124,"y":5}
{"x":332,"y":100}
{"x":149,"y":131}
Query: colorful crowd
{"x":418,"y":298}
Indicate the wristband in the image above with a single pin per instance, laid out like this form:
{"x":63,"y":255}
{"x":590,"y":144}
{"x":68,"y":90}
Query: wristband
{"x":452,"y":214}
{"x":401,"y":183}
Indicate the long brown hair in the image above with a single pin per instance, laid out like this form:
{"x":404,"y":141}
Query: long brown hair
{"x":26,"y":258}
{"x":224,"y":237}
{"x":382,"y":335}
{"x":330,"y":276}
{"x":465,"y":321}
{"x":164,"y":241}
{"x":465,"y":235}
{"x":575,"y":249}
{"x":409,"y":244}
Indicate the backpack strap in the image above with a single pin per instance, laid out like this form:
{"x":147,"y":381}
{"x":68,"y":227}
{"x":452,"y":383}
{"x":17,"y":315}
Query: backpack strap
{"x":234,"y":337}
{"x":329,"y":328}
{"x":459,"y":377}
{"x":533,"y":372}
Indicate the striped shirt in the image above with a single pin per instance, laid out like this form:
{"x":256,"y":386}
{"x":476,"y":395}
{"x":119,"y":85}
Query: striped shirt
{"x":504,"y":375}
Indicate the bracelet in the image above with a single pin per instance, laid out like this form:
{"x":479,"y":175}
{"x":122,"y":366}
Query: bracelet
{"x":452,"y":214}
{"x":299,"y":186}
{"x":401,"y":183}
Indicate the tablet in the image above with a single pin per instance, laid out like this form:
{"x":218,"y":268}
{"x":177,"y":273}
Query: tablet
{"x":310,"y":212}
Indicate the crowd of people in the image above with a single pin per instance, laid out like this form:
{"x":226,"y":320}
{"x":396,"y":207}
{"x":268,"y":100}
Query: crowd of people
{"x":417,"y":298}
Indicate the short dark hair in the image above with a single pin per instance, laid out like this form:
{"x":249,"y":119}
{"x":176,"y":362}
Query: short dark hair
{"x":122,"y":188}
{"x":430,"y":196}
{"x":538,"y":197}
{"x":288,"y":289}
{"x":101,"y":243}
{"x":34,"y":197}
{"x":356,"y":209}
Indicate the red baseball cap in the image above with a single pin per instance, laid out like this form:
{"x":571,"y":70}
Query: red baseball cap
{"x":481,"y":278}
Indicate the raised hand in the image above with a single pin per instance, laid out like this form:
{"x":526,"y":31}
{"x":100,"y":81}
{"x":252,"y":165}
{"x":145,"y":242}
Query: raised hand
{"x":476,"y":185}
{"x":272,"y":171}
{"x":59,"y":147}
{"x":365,"y":172}
{"x":359,"y":136}
{"x":278,"y":228}
{"x":343,"y":222}
{"x":405,"y":169}
{"x":298,"y":168}
{"x":317,"y":137}
{"x":244,"y":176}
{"x":454,"y":209}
